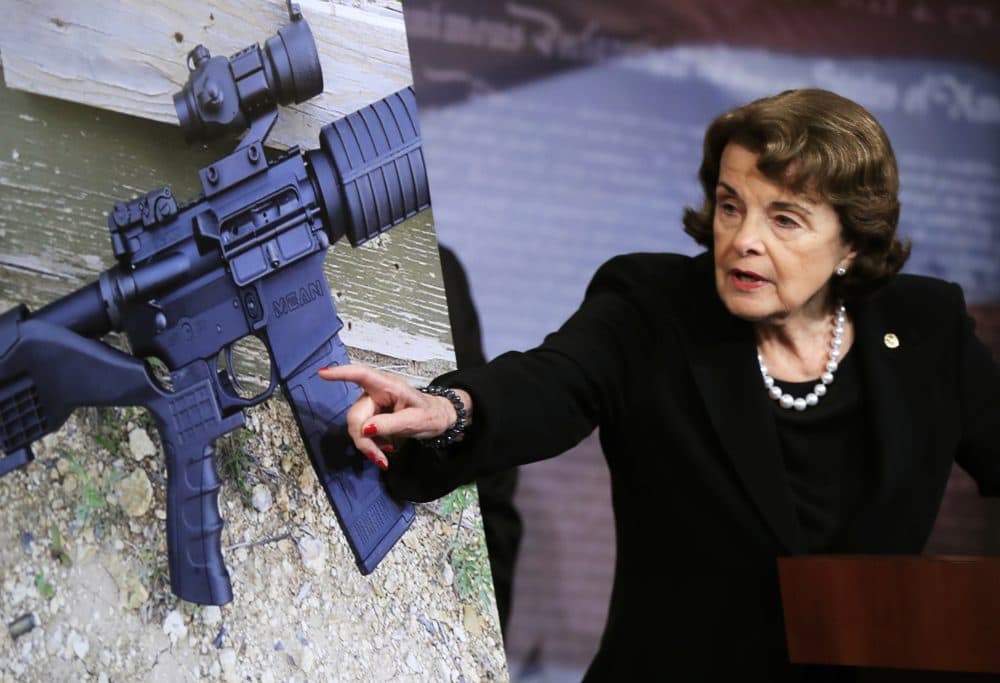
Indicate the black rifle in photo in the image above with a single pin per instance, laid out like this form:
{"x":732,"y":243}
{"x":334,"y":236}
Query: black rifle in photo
{"x":243,"y":259}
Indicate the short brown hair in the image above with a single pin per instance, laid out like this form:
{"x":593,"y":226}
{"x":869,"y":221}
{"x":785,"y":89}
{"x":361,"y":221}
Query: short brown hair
{"x":817,"y":141}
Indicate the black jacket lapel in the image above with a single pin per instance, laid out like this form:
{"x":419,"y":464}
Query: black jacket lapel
{"x":724,"y":364}
{"x":887,"y":349}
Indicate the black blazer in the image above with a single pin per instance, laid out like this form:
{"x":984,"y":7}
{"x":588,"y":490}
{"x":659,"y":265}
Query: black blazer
{"x":702,"y":506}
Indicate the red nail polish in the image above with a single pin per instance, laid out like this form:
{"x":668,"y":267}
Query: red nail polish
{"x":388,"y":448}
{"x":378,"y":459}
{"x":370,"y":430}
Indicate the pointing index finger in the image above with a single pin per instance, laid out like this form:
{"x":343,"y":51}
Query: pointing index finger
{"x":386,"y":389}
{"x":363,"y":376}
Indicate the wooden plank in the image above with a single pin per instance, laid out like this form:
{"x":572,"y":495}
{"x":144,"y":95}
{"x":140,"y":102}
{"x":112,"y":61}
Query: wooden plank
{"x":129,"y":55}
{"x":63,"y":166}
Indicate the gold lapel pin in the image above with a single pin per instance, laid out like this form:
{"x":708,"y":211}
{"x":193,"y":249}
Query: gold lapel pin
{"x":891,"y":341}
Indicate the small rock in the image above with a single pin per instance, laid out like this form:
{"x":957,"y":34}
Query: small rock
{"x":306,"y":480}
{"x":472,"y":622}
{"x":391,"y":582}
{"x":27,"y":538}
{"x":211,"y":614}
{"x":215,"y":670}
{"x":308,"y":660}
{"x":102,"y":677}
{"x":427,"y":624}
{"x":135,"y":493}
{"x":140,"y":444}
{"x":54,"y":642}
{"x":136,"y":593}
{"x":227,"y":659}
{"x":23,"y":625}
{"x":313,"y":552}
{"x":282,"y":499}
{"x":160,"y":513}
{"x":174,"y":626}
{"x":447,"y":574}
{"x":413,"y":664}
{"x":261,"y":498}
{"x":78,"y":644}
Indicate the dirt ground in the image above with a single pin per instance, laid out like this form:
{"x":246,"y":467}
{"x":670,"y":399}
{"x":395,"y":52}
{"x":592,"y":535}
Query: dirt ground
{"x":83,"y":554}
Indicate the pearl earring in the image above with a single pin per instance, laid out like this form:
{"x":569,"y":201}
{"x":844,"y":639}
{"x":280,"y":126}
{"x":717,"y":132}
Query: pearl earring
{"x":841,"y":271}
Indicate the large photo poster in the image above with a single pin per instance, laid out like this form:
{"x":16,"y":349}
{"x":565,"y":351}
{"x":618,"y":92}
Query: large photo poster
{"x":200,"y":514}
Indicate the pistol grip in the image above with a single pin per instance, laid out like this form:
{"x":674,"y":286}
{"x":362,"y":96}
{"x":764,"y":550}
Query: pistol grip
{"x":194,"y":525}
{"x":371,"y":519}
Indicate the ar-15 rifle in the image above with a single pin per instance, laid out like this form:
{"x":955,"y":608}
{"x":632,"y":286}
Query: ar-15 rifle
{"x":245,"y":258}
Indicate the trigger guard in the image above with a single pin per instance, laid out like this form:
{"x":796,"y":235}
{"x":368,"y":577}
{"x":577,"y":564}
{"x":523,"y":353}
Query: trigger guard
{"x":231,"y":383}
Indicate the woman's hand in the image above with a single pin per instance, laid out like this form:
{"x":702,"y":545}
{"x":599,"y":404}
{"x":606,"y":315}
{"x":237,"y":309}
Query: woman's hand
{"x":389,"y":407}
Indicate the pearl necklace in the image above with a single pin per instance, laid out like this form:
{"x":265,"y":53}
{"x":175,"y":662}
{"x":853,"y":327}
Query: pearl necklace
{"x":812,"y":398}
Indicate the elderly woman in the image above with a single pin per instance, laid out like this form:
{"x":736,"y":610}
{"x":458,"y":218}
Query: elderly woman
{"x":785,"y":392}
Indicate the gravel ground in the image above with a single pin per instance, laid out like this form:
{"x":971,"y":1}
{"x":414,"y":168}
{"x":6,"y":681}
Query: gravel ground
{"x":83,"y":554}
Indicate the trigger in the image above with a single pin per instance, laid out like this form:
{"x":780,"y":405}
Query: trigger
{"x":234,"y":379}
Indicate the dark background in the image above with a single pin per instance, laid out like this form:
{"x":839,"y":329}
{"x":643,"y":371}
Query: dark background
{"x":559,"y":133}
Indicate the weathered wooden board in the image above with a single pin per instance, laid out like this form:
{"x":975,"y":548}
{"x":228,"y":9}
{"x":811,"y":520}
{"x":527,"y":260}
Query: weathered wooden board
{"x":62,"y":167}
{"x":129,"y":55}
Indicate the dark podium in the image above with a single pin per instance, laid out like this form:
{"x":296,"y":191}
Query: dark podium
{"x":896,"y":618}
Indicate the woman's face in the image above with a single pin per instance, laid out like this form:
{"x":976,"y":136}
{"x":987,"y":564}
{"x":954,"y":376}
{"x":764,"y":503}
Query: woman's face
{"x":775,"y":250}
